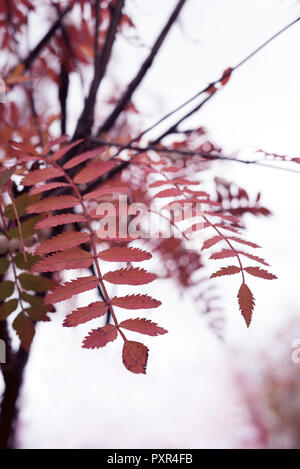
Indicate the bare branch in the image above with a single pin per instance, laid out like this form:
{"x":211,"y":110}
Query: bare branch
{"x":86,"y":119}
{"x":44,"y":41}
{"x":206,"y":89}
{"x":133,"y":85}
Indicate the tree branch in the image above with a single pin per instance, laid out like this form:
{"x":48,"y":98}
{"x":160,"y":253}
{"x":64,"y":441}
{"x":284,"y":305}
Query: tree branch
{"x":216,"y":82}
{"x":133,"y":85}
{"x":45,"y":39}
{"x":86,"y":120}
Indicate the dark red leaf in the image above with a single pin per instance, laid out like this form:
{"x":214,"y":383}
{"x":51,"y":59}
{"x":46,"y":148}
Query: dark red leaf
{"x":135,"y":356}
{"x":98,"y":338}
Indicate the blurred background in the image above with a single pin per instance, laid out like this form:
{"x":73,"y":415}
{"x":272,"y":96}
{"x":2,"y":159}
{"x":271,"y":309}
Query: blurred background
{"x":200,"y":392}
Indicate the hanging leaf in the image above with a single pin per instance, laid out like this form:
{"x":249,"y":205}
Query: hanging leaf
{"x":261,"y":273}
{"x":230,"y":270}
{"x":6,"y":289}
{"x":47,"y":187}
{"x":69,"y":289}
{"x":27,"y":228}
{"x":98,"y":338}
{"x":243,"y":241}
{"x":169,"y":193}
{"x":87,"y":313}
{"x":37,"y":314}
{"x":135,"y":302}
{"x":81,"y":158}
{"x":129,"y":276}
{"x":211,"y":242}
{"x":20,"y":261}
{"x":114,"y":190}
{"x":225,"y":253}
{"x":62,"y":151}
{"x":246,"y":303}
{"x":36,"y":283}
{"x":143,"y":326}
{"x":7,"y":308}
{"x":24,"y":327}
{"x":53,"y":203}
{"x":66,"y":240}
{"x":50,"y":222}
{"x":70,"y":259}
{"x":4,"y":264}
{"x":135,"y":356}
{"x":253,"y":258}
{"x":94,"y":171}
{"x":21,"y":202}
{"x":41,"y":175}
{"x":124,"y":255}
{"x":52,"y":143}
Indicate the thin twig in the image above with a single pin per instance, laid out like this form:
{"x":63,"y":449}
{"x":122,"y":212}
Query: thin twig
{"x":212,"y":84}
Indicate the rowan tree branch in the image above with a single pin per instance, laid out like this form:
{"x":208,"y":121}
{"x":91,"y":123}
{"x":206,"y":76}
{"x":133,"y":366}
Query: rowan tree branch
{"x":86,"y":120}
{"x":133,"y":85}
{"x":216,"y":82}
{"x":45,"y":39}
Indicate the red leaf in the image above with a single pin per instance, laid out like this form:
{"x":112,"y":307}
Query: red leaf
{"x":246,"y":303}
{"x":169,"y":193}
{"x":258,"y":272}
{"x":226,"y":227}
{"x":135,"y":356}
{"x":52,"y":143}
{"x":49,"y":222}
{"x":253,"y":258}
{"x":53,"y":203}
{"x":124,"y":255}
{"x":87,"y":155}
{"x":40,"y":175}
{"x":244,"y":241}
{"x":47,"y":187}
{"x":159,"y":183}
{"x":229,"y":218}
{"x":94,"y":171}
{"x":70,"y":259}
{"x":63,"y":241}
{"x":171,"y":169}
{"x":130,"y":276}
{"x":69,"y":289}
{"x":184,"y":182}
{"x":211,"y":242}
{"x":230,"y":270}
{"x":85,"y":314}
{"x":62,"y":151}
{"x":105,"y":191}
{"x":223,"y":254}
{"x":143,"y":326}
{"x":135,"y":302}
{"x":226,"y":75}
{"x":178,"y":181}
{"x":100,"y":337}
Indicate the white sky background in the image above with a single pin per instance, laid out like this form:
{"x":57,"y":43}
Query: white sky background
{"x":79,"y":398}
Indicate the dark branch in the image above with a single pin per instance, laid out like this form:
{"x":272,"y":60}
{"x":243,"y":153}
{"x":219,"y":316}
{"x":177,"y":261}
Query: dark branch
{"x":124,"y":100}
{"x":86,"y":120}
{"x":44,"y":41}
{"x":216,"y":82}
{"x":174,"y":128}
